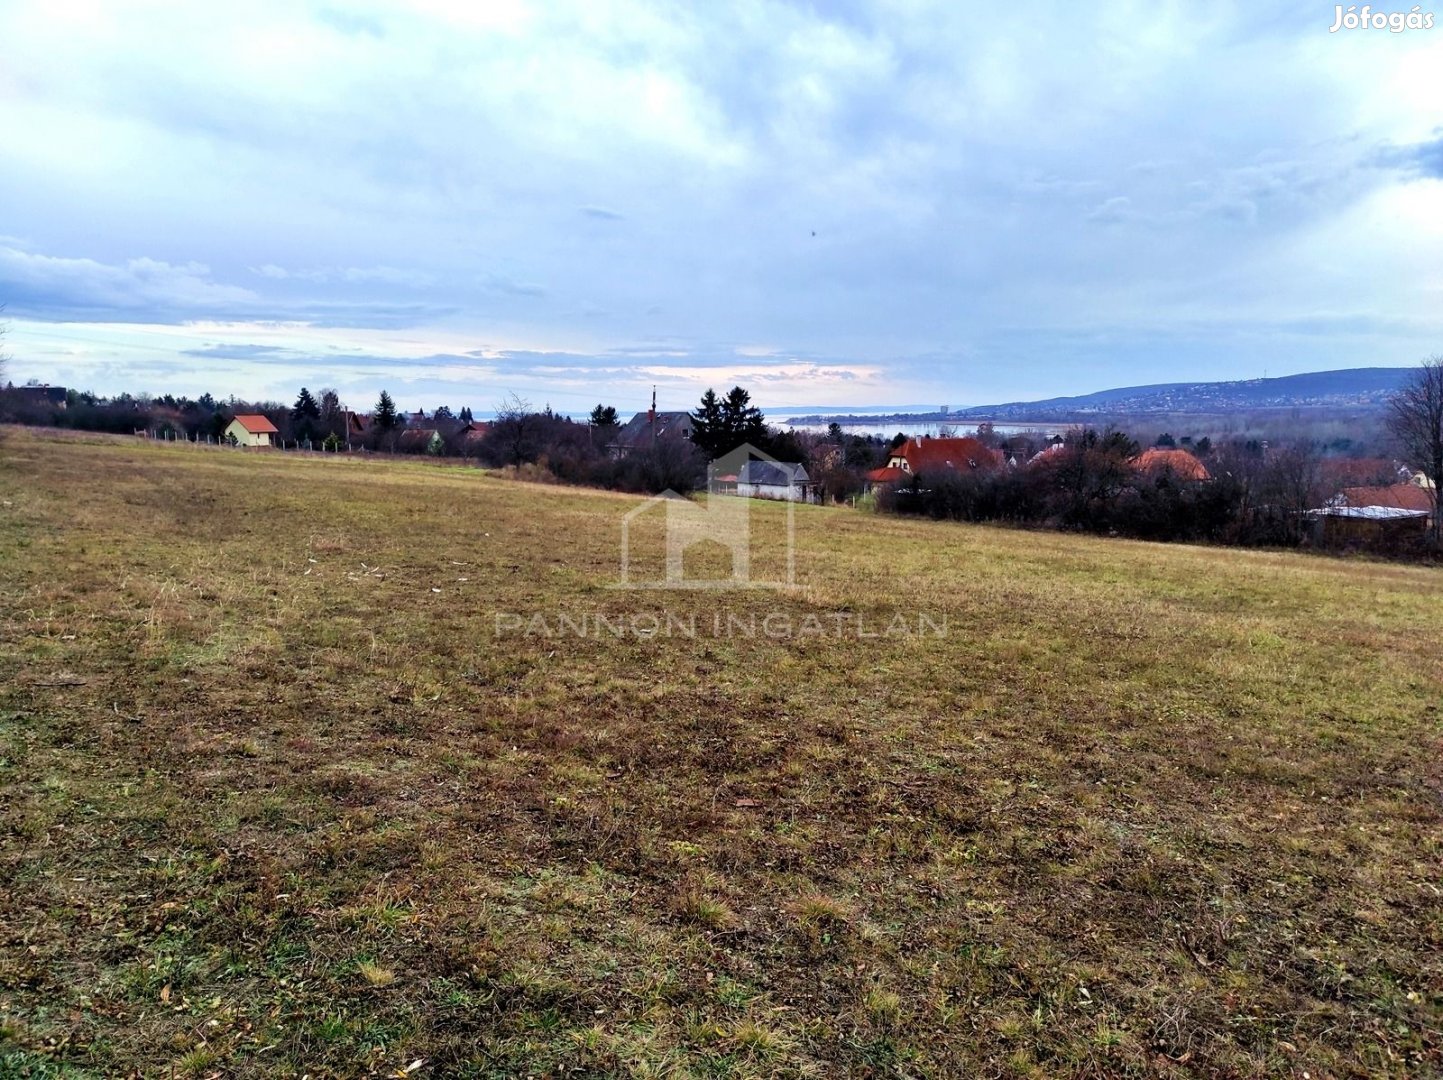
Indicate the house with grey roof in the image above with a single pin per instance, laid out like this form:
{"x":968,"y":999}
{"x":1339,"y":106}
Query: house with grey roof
{"x":775,"y":480}
{"x":645,"y":429}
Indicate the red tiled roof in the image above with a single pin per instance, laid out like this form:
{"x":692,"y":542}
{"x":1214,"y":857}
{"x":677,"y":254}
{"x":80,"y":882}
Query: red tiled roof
{"x":257,"y":424}
{"x":1051,"y":453}
{"x":1182,"y":464}
{"x":1399,"y":496}
{"x":888,"y":474}
{"x":417,"y":436}
{"x":964,"y":453}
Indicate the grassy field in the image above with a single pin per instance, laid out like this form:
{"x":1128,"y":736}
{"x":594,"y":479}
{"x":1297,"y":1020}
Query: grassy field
{"x":277,"y":795}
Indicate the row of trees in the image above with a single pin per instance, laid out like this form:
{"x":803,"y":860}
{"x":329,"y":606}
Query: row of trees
{"x":167,"y":415}
{"x":593,"y":453}
{"x":314,"y":420}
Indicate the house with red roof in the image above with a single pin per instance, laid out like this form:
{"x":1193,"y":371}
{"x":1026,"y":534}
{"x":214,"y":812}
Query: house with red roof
{"x":252,"y":430}
{"x":931,"y":455}
{"x":1052,"y":452}
{"x":1180,"y":463}
{"x":421,"y":441}
{"x":887,"y":474}
{"x":471,"y":435}
{"x":1381,"y":515}
{"x":1393,"y":496}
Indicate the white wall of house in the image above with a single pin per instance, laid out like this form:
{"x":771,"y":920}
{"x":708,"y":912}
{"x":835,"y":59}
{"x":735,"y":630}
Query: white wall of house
{"x":246,"y":438}
{"x":784,"y":492}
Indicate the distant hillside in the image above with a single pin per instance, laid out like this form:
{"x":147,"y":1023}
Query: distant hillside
{"x":1350,"y":388}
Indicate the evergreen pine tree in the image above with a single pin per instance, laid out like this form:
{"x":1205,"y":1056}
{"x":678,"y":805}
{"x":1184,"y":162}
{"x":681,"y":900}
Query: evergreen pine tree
{"x":744,"y":422}
{"x":708,"y":426}
{"x":305,"y":406}
{"x":385,"y":417}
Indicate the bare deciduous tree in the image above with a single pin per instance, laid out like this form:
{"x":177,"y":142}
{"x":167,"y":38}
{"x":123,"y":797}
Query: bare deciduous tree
{"x":513,"y":433}
{"x":333,"y":414}
{"x":1287,"y":484}
{"x":1415,"y":417}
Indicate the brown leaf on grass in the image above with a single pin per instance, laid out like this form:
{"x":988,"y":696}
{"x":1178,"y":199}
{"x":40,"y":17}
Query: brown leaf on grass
{"x":747,"y":803}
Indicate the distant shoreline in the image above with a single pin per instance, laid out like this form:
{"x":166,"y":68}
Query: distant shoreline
{"x":873,"y":419}
{"x":895,"y":423}
{"x":1115,"y":413}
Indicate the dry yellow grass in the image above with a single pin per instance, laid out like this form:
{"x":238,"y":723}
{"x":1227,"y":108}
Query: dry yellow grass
{"x":1142,"y":810}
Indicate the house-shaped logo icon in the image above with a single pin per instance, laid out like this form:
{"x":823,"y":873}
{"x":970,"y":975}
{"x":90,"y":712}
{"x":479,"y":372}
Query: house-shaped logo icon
{"x":719,"y":518}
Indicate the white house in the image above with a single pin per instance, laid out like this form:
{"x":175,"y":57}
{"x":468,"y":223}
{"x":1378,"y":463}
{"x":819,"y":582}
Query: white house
{"x":251,"y":430}
{"x":775,"y":480}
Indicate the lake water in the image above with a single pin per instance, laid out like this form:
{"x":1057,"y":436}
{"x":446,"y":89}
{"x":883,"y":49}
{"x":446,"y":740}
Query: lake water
{"x":886,"y":431}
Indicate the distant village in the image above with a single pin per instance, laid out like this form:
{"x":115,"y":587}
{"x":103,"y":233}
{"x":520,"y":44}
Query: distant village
{"x":1167,"y":488}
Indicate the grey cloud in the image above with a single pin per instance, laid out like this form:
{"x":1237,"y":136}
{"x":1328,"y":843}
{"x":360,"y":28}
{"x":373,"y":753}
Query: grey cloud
{"x":1244,"y":211}
{"x":504,"y":286}
{"x":651,"y":348}
{"x":238,"y":352}
{"x":46,"y":283}
{"x":1422,"y":159}
{"x":383,"y":275}
{"x":144,"y":289}
{"x":369,"y":315}
{"x":302,"y":360}
{"x":1058,"y":186}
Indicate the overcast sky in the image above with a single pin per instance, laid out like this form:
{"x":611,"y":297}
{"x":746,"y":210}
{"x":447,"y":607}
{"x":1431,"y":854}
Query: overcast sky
{"x":854,"y":203}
